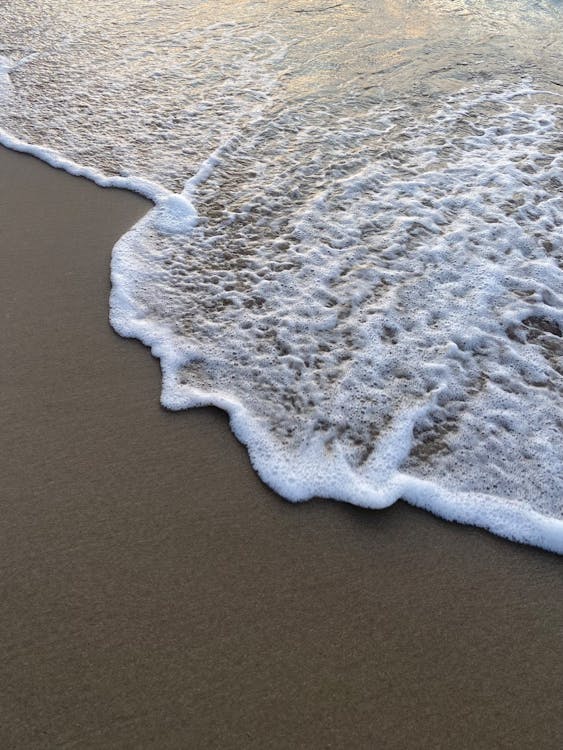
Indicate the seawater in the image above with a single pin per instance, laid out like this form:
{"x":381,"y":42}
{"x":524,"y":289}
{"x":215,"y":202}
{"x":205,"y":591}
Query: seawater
{"x":356,"y":247}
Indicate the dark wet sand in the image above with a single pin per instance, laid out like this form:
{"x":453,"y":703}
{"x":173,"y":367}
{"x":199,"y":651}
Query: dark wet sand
{"x":156,"y":595}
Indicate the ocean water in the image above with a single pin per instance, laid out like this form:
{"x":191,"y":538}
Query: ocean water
{"x":356,"y":247}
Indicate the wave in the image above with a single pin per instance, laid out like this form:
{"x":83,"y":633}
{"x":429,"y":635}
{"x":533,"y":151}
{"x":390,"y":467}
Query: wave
{"x":371,"y":285}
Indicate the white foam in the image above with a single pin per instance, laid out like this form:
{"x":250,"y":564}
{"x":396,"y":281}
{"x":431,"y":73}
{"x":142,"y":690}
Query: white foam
{"x":372,"y":291}
{"x":5,"y":66}
{"x":5,"y":84}
{"x":309,"y":472}
{"x":478,"y":298}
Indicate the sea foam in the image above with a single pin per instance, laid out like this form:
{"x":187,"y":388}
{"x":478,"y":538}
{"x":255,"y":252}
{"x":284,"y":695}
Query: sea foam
{"x":371,"y":286}
{"x":395,"y":334}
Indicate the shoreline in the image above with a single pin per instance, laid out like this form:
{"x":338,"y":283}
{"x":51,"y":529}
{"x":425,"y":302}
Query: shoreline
{"x":535,"y":529}
{"x":156,"y":592}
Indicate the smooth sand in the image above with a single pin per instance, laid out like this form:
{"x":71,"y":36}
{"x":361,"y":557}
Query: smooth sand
{"x":156,"y":595}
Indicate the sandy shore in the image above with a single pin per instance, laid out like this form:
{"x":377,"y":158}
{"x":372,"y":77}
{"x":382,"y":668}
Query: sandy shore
{"x":156,"y":595}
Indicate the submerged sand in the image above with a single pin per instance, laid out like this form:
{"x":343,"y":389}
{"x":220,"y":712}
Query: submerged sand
{"x":156,"y":595}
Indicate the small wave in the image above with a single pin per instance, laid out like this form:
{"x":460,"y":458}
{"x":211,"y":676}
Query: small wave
{"x":383,"y":320}
{"x":368,"y":279}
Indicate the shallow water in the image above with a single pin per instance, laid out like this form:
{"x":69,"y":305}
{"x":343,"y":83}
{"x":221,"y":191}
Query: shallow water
{"x":364,"y":266}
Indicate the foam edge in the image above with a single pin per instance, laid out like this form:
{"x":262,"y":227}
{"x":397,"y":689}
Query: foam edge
{"x":301,"y":477}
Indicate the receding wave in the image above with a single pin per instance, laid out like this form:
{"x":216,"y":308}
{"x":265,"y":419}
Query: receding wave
{"x":371,"y":284}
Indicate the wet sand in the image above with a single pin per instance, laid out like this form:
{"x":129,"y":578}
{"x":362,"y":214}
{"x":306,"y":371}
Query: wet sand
{"x":156,"y":595}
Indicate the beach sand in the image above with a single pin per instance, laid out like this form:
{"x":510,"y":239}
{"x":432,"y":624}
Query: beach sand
{"x":155,"y":594}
